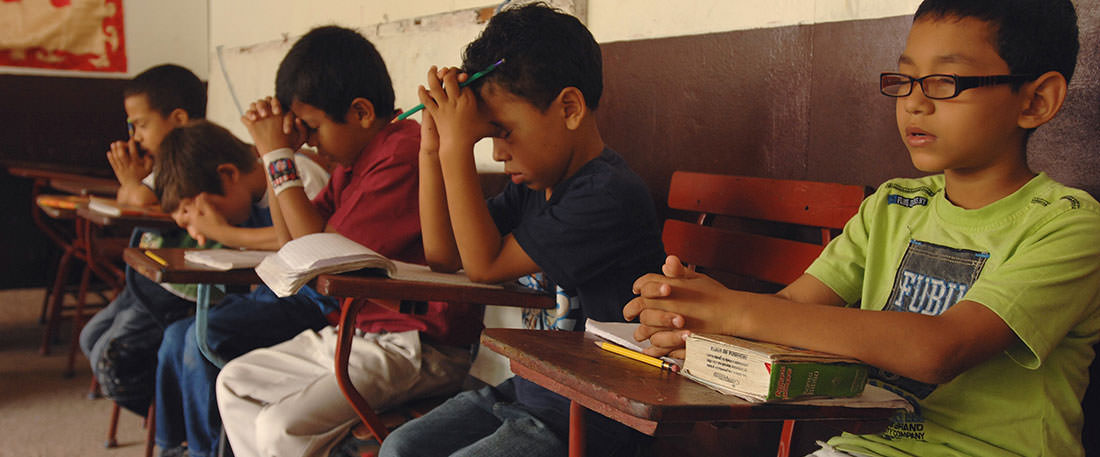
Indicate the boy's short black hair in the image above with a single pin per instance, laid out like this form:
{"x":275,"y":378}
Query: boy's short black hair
{"x":168,"y":87}
{"x":189,"y":158}
{"x":1032,"y":36}
{"x":545,"y":51}
{"x":329,"y":67}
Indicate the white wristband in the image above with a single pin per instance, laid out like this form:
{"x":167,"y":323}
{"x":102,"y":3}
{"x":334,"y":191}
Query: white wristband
{"x":281,"y":170}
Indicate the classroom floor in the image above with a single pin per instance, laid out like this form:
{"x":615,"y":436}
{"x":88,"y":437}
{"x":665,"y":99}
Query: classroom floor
{"x":42,"y":413}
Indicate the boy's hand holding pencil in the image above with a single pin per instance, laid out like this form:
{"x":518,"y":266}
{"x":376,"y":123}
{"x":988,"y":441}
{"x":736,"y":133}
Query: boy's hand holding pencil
{"x":454,"y":108}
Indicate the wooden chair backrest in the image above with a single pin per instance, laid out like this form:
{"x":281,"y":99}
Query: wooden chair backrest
{"x":823,"y":206}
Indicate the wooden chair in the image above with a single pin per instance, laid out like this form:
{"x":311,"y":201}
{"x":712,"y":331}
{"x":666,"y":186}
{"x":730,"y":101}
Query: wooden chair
{"x":736,"y":221}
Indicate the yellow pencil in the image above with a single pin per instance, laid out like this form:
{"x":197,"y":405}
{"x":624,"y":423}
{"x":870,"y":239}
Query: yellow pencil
{"x":162,"y":262}
{"x":662,"y":364}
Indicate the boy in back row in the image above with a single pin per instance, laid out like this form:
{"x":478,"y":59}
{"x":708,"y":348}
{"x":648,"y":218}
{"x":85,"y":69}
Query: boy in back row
{"x":991,"y":271}
{"x":156,"y":101}
{"x":333,"y":92}
{"x":121,"y":340}
{"x":573,"y":210}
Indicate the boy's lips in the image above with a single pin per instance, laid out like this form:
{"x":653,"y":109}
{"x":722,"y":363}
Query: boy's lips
{"x":516,"y":178}
{"x":918,"y":137}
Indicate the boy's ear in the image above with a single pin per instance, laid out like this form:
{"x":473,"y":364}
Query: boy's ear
{"x":228,"y":173}
{"x":179,"y":117}
{"x":1043,"y":97}
{"x":361,"y":112}
{"x":573,"y":107}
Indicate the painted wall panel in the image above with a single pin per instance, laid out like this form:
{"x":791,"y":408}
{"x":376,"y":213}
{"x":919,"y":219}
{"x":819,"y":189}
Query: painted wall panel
{"x":156,"y":32}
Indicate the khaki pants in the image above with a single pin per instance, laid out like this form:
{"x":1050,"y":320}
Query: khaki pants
{"x":284,"y":400}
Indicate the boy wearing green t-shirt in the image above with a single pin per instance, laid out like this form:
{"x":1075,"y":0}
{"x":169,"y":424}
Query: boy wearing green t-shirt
{"x":992,"y":270}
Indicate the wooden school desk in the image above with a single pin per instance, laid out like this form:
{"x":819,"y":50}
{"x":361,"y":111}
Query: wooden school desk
{"x":177,"y":270}
{"x":75,"y":180}
{"x":99,"y":252}
{"x":71,"y":180}
{"x":643,"y":397}
{"x":353,"y":286}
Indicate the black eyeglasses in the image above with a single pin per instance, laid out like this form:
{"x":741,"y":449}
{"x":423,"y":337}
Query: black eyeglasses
{"x":941,"y":87}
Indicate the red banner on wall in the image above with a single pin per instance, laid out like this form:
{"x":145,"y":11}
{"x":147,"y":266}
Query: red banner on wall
{"x":63,"y":35}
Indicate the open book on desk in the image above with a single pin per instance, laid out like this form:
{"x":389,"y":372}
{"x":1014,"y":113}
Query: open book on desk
{"x":303,"y":259}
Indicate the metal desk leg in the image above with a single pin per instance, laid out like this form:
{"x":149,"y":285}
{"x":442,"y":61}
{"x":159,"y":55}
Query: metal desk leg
{"x":576,"y":429}
{"x":202,"y":307}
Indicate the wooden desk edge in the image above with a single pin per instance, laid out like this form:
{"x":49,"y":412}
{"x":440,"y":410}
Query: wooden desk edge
{"x":136,"y":259}
{"x":378,"y":287}
{"x":146,"y":266}
{"x":104,"y":220}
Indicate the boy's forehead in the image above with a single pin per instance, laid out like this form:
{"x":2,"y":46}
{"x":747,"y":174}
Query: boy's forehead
{"x":951,"y":40}
{"x":306,"y":111}
{"x":137,"y":107}
{"x":495,"y":98}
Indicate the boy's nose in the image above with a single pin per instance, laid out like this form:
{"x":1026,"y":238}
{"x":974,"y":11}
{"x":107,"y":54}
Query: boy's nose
{"x":917,"y":103}
{"x":500,"y":153}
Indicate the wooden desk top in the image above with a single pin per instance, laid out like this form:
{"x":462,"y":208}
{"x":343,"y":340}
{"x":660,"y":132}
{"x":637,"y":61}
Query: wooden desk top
{"x":106,"y":220}
{"x":644,"y":397}
{"x":58,"y":213}
{"x":60,"y":172}
{"x":182,"y":272}
{"x":363,"y":286}
{"x":93,"y":186}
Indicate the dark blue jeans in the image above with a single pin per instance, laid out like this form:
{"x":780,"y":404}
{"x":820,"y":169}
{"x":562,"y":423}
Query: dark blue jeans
{"x":186,"y":407}
{"x":490,"y":423}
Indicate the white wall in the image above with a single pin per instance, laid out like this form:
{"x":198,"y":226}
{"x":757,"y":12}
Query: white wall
{"x":619,"y":20}
{"x":156,"y":32}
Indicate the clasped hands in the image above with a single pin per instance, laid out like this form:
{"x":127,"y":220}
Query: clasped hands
{"x":273,"y":128}
{"x":129,"y":162}
{"x":199,"y":217}
{"x":673,"y":305}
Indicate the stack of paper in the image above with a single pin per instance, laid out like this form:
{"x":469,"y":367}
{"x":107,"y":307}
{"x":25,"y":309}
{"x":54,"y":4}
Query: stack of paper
{"x":622,"y":334}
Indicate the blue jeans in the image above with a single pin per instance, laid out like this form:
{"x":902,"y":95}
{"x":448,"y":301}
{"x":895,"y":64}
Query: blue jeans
{"x":186,"y":407}
{"x":488,"y":422}
{"x":133,"y":321}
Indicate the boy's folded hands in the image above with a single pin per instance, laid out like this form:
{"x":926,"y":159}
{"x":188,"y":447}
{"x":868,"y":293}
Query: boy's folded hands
{"x":271,"y":128}
{"x":673,"y":305}
{"x":199,"y":218}
{"x":127,"y":161}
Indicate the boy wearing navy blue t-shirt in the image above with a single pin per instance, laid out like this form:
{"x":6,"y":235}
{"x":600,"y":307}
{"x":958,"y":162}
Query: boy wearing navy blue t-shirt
{"x":574,"y":211}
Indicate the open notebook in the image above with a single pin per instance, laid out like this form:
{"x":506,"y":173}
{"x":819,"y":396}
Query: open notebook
{"x":305,"y":258}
